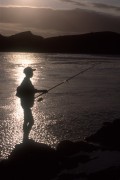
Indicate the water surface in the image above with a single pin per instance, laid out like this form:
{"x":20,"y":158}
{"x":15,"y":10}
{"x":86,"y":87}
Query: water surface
{"x":71,"y":111}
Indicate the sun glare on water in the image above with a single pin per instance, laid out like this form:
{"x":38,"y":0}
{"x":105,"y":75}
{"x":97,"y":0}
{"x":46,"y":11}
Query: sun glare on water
{"x":13,"y":116}
{"x":13,"y":122}
{"x":23,"y":60}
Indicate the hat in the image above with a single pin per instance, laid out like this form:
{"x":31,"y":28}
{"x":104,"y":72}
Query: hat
{"x":28,"y":70}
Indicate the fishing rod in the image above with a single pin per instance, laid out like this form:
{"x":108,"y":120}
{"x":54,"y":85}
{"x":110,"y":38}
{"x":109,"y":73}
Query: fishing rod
{"x":40,"y":99}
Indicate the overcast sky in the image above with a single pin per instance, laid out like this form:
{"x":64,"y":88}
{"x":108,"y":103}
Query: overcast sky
{"x":59,"y":17}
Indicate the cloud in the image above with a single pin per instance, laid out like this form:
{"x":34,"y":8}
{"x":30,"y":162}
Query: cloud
{"x":74,"y":2}
{"x":49,"y":22}
{"x":92,"y":5}
{"x":106,"y":6}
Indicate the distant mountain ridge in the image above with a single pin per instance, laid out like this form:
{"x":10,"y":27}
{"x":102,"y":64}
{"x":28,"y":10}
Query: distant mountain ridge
{"x":105,"y":42}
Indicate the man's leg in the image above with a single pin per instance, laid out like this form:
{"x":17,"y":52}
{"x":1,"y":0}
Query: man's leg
{"x":28,"y":122}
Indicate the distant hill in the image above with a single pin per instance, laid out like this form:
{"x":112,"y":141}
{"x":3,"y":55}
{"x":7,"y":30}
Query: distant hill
{"x":90,"y":43}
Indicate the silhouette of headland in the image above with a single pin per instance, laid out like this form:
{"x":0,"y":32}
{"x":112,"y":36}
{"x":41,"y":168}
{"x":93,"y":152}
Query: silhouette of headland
{"x":90,"y":43}
{"x":32,"y":160}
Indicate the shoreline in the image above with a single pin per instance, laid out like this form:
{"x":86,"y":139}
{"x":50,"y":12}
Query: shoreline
{"x":98,"y":157}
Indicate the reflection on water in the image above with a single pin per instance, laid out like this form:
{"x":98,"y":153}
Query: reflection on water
{"x":12,"y":122}
{"x":72,"y":111}
{"x":22,"y":60}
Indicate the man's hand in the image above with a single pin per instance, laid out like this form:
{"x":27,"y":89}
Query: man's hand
{"x":44,"y":91}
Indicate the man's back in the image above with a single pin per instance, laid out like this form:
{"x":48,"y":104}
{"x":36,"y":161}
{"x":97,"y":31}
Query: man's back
{"x":27,"y":91}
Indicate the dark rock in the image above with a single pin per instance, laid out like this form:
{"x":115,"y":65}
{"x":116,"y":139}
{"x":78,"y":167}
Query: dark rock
{"x":67,"y":147}
{"x":108,"y":135}
{"x":72,"y":176}
{"x":112,"y":173}
{"x":31,"y":160}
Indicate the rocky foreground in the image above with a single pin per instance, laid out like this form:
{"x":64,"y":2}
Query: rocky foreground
{"x":96,"y":158}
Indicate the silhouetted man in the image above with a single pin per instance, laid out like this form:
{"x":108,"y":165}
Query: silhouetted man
{"x":26,"y":92}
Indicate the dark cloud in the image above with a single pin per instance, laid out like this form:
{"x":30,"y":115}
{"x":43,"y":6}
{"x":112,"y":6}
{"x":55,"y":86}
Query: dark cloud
{"x":96,"y":5}
{"x":49,"y":22}
{"x":106,"y":6}
{"x":74,"y":2}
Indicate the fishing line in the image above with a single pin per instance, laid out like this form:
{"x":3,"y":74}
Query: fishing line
{"x":67,"y":80}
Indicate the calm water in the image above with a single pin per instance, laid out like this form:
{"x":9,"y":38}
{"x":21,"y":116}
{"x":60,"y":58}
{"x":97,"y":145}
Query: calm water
{"x":71,"y":111}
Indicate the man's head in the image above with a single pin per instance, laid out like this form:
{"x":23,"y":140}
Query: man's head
{"x":28,"y":71}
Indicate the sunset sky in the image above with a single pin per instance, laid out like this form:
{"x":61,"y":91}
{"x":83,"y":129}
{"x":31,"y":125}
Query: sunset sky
{"x":59,"y":17}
